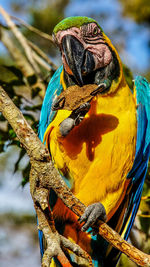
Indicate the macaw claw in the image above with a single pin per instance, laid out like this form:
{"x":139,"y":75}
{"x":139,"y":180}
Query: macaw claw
{"x":92,"y":213}
{"x":74,"y":119}
{"x":58,"y":104}
{"x":101,"y":87}
{"x":79,"y":113}
{"x":82,"y":108}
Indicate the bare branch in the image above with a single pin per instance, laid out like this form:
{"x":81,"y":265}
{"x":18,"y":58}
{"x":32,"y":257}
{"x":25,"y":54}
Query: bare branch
{"x":22,"y":40}
{"x":15,"y":53}
{"x":18,"y":35}
{"x":41,"y":62}
{"x":33,"y":29}
{"x":43,"y":55}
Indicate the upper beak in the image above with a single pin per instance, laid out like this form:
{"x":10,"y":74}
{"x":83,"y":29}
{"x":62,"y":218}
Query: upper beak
{"x":78,"y":59}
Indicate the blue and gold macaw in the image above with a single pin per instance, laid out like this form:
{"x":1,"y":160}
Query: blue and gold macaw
{"x":102,"y":148}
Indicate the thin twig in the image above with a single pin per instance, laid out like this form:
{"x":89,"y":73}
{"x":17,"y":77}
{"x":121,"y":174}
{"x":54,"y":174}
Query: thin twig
{"x":43,"y":55}
{"x":15,"y":53}
{"x":22,"y":40}
{"x":41,"y":62}
{"x":33,"y":29}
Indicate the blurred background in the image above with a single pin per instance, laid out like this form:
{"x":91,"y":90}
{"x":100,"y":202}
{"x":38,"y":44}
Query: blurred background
{"x":127,"y":24}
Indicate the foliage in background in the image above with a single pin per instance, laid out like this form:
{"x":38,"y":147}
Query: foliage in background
{"x":139,"y":10}
{"x":27,"y":100}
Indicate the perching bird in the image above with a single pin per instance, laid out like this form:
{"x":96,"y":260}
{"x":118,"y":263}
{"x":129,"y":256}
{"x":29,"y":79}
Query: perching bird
{"x":101,"y":148}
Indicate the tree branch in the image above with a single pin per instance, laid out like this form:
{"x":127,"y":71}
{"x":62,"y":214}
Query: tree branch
{"x":15,"y":53}
{"x":44,"y":176}
{"x":43,"y":55}
{"x":21,"y":60}
{"x":22,"y":40}
{"x":33,"y":29}
{"x":27,"y":44}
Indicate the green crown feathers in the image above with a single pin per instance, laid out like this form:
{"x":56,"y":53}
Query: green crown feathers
{"x":73,"y":22}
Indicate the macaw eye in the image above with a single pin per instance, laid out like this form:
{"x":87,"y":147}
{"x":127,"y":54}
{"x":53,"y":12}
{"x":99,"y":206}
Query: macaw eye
{"x":95,"y":31}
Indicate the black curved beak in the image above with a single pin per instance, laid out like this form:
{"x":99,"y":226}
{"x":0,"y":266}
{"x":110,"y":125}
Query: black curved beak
{"x":79,"y":60}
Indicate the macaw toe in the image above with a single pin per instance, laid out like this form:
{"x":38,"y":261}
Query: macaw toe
{"x":92,"y":213}
{"x":74,"y":119}
{"x":79,"y":113}
{"x":66,"y":126}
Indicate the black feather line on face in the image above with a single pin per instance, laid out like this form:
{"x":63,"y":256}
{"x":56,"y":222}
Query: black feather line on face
{"x":93,"y":41}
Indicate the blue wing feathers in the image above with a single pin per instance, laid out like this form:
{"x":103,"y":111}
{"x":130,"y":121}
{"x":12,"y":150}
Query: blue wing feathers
{"x":40,"y":234}
{"x":139,"y":169}
{"x":134,"y":203}
{"x":54,"y":88}
{"x":143,"y":97}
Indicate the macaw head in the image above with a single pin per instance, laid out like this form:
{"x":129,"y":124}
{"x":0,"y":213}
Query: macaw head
{"x":87,"y":54}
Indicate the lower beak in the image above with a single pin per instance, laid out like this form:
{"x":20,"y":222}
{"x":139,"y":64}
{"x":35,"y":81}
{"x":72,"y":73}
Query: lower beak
{"x":79,"y":60}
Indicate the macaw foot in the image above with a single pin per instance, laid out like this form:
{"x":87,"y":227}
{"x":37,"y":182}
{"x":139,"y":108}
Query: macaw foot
{"x":74,"y":119}
{"x":52,"y":243}
{"x":93,"y":213}
{"x":66,"y":126}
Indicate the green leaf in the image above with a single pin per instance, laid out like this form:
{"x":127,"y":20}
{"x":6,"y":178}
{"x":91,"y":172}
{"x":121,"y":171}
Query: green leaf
{"x":12,"y":134}
{"x":6,"y":75}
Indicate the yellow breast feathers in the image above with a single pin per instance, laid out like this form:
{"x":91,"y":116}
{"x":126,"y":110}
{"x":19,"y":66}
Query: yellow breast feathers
{"x":97,"y":155}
